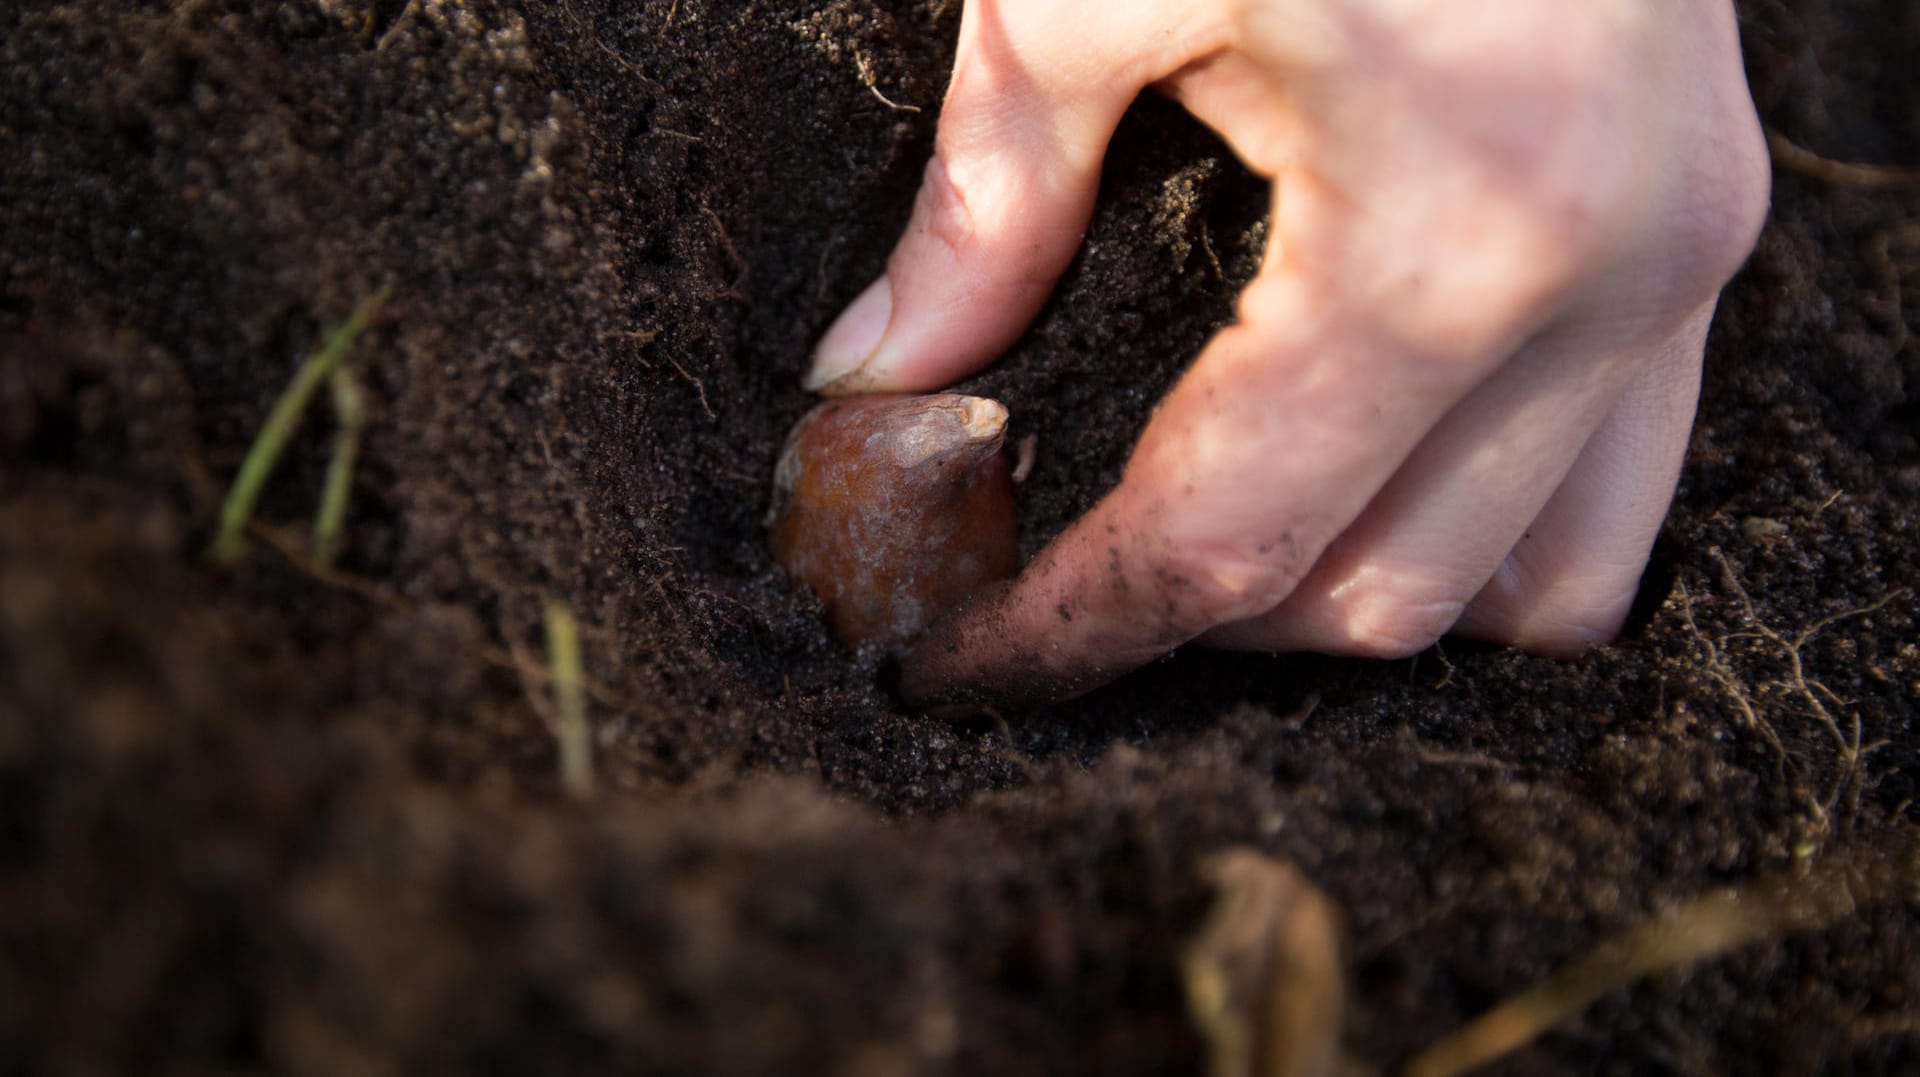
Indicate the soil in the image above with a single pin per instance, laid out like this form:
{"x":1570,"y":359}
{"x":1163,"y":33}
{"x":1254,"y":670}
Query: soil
{"x":275,"y":817}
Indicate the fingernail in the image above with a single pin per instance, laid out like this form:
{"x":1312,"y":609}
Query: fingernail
{"x":851,"y":340}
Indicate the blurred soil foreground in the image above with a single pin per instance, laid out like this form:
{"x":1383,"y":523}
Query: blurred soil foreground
{"x":281,"y":817}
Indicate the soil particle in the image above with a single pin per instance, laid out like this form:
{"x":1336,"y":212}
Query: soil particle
{"x":276,"y":819}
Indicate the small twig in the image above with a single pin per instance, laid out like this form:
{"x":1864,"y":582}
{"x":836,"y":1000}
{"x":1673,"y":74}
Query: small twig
{"x":572,"y":733}
{"x":350,"y":416}
{"x":1808,"y":163}
{"x":284,"y":418}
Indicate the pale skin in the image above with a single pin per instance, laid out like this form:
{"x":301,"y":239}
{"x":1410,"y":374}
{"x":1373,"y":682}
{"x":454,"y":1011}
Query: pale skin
{"x":1457,"y":393}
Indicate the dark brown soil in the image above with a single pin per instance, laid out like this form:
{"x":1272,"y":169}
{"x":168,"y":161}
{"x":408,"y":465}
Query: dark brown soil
{"x":267,"y":819}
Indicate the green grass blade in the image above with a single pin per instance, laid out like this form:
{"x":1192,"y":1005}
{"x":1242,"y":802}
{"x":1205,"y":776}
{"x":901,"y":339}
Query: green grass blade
{"x":572,"y":735}
{"x":230,"y":543}
{"x":349,"y":416}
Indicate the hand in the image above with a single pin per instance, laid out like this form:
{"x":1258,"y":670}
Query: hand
{"x":1459,"y":389}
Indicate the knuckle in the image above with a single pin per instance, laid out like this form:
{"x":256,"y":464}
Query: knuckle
{"x":1550,"y":610}
{"x":1727,"y":200}
{"x":942,"y":213}
{"x":1199,"y":587}
{"x":1391,"y":625}
{"x":1005,"y":214}
{"x":1574,"y":201}
{"x":1581,"y":218}
{"x":1577,"y":615}
{"x":1569,"y":638}
{"x":1514,"y":259}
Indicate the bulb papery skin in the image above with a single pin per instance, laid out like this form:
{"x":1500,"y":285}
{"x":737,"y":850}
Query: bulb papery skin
{"x":894,"y":509}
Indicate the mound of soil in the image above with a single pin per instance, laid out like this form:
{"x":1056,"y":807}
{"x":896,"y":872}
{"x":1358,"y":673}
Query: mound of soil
{"x":281,"y":817}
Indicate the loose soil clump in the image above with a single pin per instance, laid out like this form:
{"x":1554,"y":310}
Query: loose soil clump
{"x":279,"y":817}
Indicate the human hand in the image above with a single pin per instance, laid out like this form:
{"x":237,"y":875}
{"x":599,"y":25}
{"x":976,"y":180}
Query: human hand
{"x":1459,"y":388}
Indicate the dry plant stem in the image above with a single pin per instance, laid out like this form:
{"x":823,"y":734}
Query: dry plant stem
{"x":1707,"y":926}
{"x":1808,"y":163}
{"x":1265,"y":976}
{"x":1873,"y":1025}
{"x":350,"y":417}
{"x":284,"y":418}
{"x":572,"y":734}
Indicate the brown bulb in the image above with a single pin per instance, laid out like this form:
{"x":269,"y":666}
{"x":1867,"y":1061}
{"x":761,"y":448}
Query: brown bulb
{"x":893,"y":509}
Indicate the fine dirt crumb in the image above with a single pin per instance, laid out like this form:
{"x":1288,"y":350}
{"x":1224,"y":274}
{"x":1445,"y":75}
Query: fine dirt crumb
{"x":271,"y":819}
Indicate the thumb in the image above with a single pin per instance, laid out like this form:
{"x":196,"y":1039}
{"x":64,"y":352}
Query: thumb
{"x":1004,"y":202}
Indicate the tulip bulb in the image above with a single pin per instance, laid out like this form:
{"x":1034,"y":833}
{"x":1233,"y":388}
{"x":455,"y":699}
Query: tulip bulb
{"x":893,"y":509}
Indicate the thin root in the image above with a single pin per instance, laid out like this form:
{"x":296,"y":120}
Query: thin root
{"x":865,"y":68}
{"x":1847,"y":173}
{"x":1848,"y":736}
{"x":698,"y":387}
